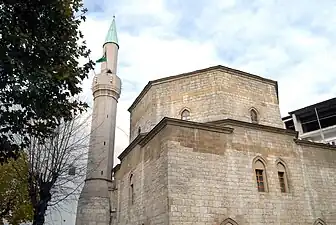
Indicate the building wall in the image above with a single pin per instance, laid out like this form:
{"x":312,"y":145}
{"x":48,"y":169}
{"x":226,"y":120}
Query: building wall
{"x":141,"y":116}
{"x":211,"y":95}
{"x":211,"y":178}
{"x":148,"y":164}
{"x":329,"y":134}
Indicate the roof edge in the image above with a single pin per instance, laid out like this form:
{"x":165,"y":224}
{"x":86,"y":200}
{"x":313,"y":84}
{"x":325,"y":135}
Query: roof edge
{"x":134,"y":143}
{"x":256,"y":126}
{"x":183,"y":123}
{"x":286,"y":118}
{"x":314,"y":144}
{"x":144,"y":138}
{"x":312,"y":106}
{"x":218,"y":67}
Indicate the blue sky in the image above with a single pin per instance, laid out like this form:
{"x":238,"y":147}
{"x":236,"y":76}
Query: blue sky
{"x":293,"y":42}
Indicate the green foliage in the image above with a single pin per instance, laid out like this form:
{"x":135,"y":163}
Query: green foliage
{"x":40,"y":74}
{"x":15,"y":204}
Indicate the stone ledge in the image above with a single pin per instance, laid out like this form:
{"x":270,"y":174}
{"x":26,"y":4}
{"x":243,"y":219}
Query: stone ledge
{"x":116,"y":168}
{"x":134,"y":143}
{"x":255,"y":126}
{"x":183,"y":123}
{"x":98,"y":178}
{"x":314,"y":144}
{"x":144,"y":138}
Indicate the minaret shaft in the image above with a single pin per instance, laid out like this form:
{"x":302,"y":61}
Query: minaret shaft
{"x":111,"y":53}
{"x":94,"y":204}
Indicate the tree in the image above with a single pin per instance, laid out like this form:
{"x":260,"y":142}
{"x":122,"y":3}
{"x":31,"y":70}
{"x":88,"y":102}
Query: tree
{"x":57,"y":166}
{"x":40,"y":74}
{"x":15,"y":204}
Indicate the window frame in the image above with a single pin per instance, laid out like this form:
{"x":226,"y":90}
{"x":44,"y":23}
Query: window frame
{"x":282,"y":168}
{"x":254,"y":113}
{"x":259,"y":164}
{"x":260,"y":174}
{"x":229,"y":221}
{"x":319,"y":222}
{"x":185,"y":117}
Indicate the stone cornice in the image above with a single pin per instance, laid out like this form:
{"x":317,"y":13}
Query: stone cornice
{"x":98,"y":178}
{"x":144,"y":138}
{"x":116,"y":168}
{"x":314,"y":144}
{"x":132,"y":145}
{"x":255,"y":126}
{"x":183,"y":123}
{"x":186,"y":75}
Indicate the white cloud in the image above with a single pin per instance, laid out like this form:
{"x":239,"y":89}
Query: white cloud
{"x":282,"y":40}
{"x":265,"y":35}
{"x":147,"y":56}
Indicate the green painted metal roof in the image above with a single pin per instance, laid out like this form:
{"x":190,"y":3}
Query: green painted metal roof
{"x":111,"y":36}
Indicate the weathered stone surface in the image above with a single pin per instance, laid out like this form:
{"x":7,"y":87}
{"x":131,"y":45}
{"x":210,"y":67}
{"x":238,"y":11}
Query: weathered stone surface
{"x":148,"y":167}
{"x":94,"y":203}
{"x":205,"y":186}
{"x":210,"y":95}
{"x":187,"y":173}
{"x":93,"y":211}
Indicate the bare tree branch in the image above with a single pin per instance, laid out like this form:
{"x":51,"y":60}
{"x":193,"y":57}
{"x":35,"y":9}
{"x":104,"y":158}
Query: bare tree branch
{"x":49,"y":161}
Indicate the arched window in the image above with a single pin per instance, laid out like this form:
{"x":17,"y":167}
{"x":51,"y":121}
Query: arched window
{"x":319,"y":222}
{"x":254,"y":116}
{"x":229,"y":221}
{"x":260,"y":174}
{"x":185,"y":115}
{"x":282,"y":175}
{"x":131,"y":189}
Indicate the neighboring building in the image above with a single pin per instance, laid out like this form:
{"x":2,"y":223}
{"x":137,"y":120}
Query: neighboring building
{"x":206,"y":147}
{"x":315,"y":122}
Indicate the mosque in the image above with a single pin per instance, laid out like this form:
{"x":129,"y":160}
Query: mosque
{"x":207,"y":147}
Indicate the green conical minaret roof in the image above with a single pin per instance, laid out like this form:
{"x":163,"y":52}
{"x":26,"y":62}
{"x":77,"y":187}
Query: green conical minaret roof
{"x":111,"y":36}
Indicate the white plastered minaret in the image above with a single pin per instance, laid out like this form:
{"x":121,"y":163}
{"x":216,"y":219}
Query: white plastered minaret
{"x":94,"y":204}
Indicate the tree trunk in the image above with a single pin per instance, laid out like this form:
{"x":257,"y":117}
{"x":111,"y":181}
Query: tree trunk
{"x":40,"y":208}
{"x":39,"y":213}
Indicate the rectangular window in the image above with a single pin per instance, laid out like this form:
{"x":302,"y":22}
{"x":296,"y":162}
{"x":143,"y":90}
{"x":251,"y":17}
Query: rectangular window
{"x":260,"y":180}
{"x":281,"y":176}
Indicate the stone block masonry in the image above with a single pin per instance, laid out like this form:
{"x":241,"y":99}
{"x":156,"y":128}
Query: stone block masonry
{"x":211,"y":94}
{"x":224,"y":165}
{"x":214,"y":179}
{"x":143,"y":176}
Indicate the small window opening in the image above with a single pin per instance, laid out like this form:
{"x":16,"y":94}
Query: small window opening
{"x":260,"y":175}
{"x":139,"y":130}
{"x":260,"y":180}
{"x":104,"y":142}
{"x":131,"y":190}
{"x":185,"y":115}
{"x":72,"y":171}
{"x":281,"y":176}
{"x":112,"y":175}
{"x":101,"y":172}
{"x":107,"y":116}
{"x":254,"y":116}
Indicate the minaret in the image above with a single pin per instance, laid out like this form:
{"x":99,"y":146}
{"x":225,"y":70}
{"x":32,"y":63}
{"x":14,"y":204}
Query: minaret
{"x":94,"y":206}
